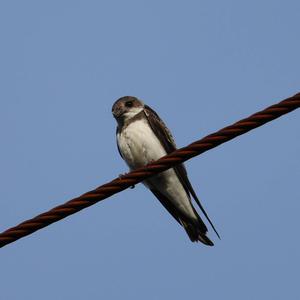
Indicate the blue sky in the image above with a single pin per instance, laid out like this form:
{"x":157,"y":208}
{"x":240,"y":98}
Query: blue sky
{"x":201,"y":65}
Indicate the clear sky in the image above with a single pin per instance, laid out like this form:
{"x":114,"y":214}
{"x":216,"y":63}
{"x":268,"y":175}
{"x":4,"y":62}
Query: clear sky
{"x":201,"y":65}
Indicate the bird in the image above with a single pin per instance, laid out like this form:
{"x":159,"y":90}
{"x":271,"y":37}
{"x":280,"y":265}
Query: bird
{"x":142,"y":137}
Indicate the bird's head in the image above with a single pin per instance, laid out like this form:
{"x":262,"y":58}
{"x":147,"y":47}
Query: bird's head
{"x":126,"y":108}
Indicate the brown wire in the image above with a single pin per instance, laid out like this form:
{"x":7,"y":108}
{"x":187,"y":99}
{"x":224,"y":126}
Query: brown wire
{"x":134,"y":177}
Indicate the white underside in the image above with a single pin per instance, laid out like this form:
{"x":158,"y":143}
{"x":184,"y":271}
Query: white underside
{"x":139,"y":146}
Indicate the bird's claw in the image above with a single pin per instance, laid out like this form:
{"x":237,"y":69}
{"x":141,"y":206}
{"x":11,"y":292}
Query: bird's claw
{"x":121,"y":176}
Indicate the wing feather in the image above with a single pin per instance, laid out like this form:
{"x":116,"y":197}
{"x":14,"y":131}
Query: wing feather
{"x":118,"y":132}
{"x":166,"y":139}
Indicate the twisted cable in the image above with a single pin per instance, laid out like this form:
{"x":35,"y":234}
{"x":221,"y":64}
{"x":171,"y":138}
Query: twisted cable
{"x":119,"y":184}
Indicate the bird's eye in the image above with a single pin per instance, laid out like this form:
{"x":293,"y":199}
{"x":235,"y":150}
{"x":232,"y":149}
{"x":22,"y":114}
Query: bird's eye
{"x":129,"y":103}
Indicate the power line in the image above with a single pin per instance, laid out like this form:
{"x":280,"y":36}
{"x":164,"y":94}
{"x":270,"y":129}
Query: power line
{"x":119,"y":184}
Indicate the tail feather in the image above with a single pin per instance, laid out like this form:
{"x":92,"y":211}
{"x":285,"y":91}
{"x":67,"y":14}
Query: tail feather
{"x":195,"y":234}
{"x":195,"y":228}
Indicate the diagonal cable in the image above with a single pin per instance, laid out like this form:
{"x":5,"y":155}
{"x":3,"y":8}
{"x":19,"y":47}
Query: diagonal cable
{"x":119,"y":184}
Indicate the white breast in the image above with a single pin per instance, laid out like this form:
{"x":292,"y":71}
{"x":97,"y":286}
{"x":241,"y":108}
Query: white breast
{"x":139,"y":145}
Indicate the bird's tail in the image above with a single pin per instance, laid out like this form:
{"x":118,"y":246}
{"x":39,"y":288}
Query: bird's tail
{"x":196,"y":234}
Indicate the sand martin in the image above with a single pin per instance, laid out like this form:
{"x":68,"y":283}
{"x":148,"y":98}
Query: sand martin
{"x":142,"y":137}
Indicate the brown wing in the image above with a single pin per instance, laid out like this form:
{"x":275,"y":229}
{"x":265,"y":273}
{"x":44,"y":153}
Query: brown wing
{"x":166,"y":139}
{"x":118,"y":131}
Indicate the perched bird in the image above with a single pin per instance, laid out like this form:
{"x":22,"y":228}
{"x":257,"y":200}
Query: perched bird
{"x":142,"y":137}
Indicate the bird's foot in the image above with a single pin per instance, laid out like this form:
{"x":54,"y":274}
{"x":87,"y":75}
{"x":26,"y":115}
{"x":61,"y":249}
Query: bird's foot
{"x":121,"y":176}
